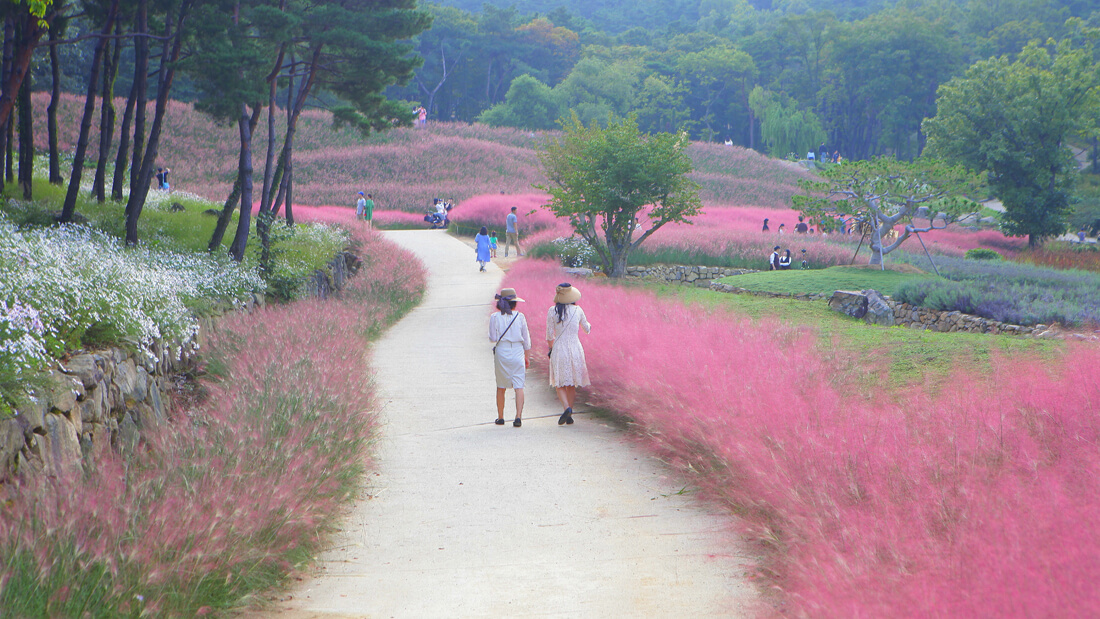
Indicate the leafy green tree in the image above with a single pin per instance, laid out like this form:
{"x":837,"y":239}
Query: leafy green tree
{"x":660,"y":105}
{"x":881,"y":81}
{"x":717,"y":77}
{"x":529,"y":104}
{"x":882,"y":193}
{"x":599,"y":87}
{"x":1011,"y":120}
{"x":784,"y":127}
{"x":614,"y":183}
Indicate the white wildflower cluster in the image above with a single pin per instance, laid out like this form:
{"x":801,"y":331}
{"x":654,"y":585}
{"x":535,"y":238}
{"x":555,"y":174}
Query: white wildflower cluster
{"x":75,"y":278}
{"x":22,"y":337}
{"x":575,"y":252}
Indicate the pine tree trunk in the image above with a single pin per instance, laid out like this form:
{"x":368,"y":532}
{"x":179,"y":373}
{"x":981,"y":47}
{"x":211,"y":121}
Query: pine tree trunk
{"x":170,"y":53}
{"x":119,"y":179}
{"x":240,"y":240}
{"x":51,"y":110}
{"x":141,"y":70}
{"x":69,"y":208}
{"x":106,"y":121}
{"x":234,"y":197}
{"x":26,"y":140}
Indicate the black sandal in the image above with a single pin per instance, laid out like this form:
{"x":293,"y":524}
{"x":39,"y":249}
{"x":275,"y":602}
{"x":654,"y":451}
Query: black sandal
{"x":500,"y":422}
{"x":518,"y":422}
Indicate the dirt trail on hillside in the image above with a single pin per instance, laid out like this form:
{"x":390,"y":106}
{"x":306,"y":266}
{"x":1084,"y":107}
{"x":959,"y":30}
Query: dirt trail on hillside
{"x":463,"y":518}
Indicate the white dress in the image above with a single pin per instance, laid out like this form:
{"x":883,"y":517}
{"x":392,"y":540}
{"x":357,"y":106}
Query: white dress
{"x":567,"y":366}
{"x":511,"y":371}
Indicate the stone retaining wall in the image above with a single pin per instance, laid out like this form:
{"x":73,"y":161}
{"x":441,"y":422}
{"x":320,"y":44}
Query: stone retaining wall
{"x":94,"y":401}
{"x":927,"y":319}
{"x":912,"y":316}
{"x":103,"y":399}
{"x":698,"y":276}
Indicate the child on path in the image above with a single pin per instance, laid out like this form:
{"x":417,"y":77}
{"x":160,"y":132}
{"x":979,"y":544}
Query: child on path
{"x":493,"y":244}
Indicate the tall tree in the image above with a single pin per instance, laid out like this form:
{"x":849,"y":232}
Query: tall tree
{"x":1011,"y":120}
{"x":174,"y":34}
{"x":617,"y":186}
{"x":69,"y":207}
{"x":30,"y":18}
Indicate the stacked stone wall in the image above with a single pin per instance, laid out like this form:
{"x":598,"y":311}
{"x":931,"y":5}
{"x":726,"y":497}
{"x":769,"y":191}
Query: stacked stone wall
{"x":697,"y":276}
{"x":99,"y":400}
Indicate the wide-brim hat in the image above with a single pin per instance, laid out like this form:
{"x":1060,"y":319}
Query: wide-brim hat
{"x":567,"y":293}
{"x":509,"y":294}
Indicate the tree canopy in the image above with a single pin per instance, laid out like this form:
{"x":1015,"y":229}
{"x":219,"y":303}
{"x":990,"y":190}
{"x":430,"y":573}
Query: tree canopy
{"x":1012,"y":119}
{"x":877,"y":195}
{"x":617,"y":185}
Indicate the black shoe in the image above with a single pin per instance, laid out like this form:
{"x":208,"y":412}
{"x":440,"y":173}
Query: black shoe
{"x":500,"y":422}
{"x":518,"y":422}
{"x":566,"y":417}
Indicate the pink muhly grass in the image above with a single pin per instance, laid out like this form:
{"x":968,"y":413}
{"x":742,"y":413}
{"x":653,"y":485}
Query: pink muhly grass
{"x":491,"y":211}
{"x":978,"y":499}
{"x":231,"y":491}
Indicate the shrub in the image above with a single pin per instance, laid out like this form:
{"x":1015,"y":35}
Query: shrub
{"x":980,"y":253}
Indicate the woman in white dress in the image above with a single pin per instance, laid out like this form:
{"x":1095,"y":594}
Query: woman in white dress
{"x":567,"y":367}
{"x":511,"y":351}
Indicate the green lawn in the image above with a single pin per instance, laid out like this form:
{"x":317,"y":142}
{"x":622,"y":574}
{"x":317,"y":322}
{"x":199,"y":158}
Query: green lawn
{"x":817,"y":281}
{"x":159,"y":227}
{"x":905,"y":356}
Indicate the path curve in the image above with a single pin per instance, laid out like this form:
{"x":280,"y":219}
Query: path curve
{"x":462,"y":518}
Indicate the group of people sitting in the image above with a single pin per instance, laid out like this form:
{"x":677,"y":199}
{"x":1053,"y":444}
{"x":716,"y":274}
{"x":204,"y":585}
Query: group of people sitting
{"x":782,"y":262}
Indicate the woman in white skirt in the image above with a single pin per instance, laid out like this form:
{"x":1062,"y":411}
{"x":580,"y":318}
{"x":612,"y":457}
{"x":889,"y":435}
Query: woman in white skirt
{"x":511,"y":351}
{"x":567,"y":366}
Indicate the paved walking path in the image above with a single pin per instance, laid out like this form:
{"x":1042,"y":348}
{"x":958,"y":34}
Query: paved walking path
{"x":463,"y":518}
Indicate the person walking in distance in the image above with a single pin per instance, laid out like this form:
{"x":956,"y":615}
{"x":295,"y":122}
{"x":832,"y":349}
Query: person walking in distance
{"x":511,"y":351}
{"x":368,"y":211}
{"x":568,"y":369}
{"x":483,"y":247}
{"x":511,"y":233}
{"x":360,"y":206}
{"x":773,"y":260}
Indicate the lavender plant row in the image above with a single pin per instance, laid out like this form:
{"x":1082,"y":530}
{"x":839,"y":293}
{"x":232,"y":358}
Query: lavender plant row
{"x":1006,"y":291}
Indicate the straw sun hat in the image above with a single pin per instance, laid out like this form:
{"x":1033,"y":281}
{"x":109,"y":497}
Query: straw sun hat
{"x":567,"y":293}
{"x":509,"y":294}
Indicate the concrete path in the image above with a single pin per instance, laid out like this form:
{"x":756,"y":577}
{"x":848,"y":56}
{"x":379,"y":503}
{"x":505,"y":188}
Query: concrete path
{"x":463,"y":518}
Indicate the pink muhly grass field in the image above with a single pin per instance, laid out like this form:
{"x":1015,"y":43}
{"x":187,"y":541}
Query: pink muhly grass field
{"x":227,"y":497}
{"x":491,"y":211}
{"x":979,"y":499}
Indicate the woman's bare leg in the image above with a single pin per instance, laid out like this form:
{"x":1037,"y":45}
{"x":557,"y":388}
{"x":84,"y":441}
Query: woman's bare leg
{"x":563,"y":396}
{"x":519,"y":403}
{"x":570,"y":395}
{"x":500,"y":403}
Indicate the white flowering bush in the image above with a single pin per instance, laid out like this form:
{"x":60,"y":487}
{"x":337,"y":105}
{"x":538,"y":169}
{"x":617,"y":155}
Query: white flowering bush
{"x":82,"y":284}
{"x":575,"y":252}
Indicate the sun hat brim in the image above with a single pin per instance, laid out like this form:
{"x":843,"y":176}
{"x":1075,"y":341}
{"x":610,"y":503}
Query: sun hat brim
{"x":509,"y":294}
{"x":567,"y":294}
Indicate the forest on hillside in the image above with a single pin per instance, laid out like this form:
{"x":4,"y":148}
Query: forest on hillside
{"x":774,"y":75}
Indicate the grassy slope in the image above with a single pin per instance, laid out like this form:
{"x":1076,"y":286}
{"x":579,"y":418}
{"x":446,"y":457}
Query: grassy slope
{"x":908,"y":356}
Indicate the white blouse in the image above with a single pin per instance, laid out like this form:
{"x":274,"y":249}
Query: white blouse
{"x":498,"y":323}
